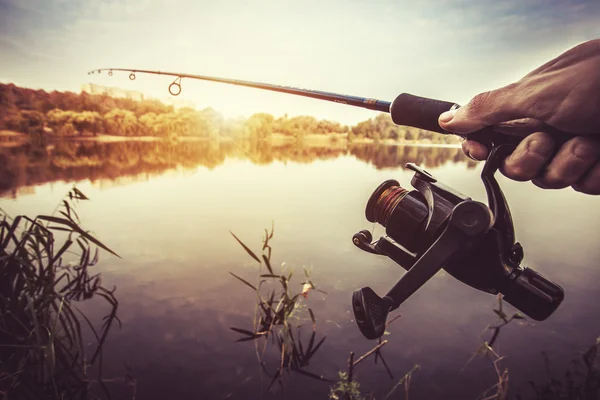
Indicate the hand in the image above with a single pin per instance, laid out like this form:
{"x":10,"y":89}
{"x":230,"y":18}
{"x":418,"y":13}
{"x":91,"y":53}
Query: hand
{"x":563,"y":93}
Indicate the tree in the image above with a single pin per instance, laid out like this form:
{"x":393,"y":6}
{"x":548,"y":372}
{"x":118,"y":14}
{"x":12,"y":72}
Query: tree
{"x":120,"y":122}
{"x":87,"y":121}
{"x":32,"y":122}
{"x":260,"y":126}
{"x":148,"y":124}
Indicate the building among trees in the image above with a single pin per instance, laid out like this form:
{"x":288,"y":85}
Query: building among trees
{"x":114,"y":92}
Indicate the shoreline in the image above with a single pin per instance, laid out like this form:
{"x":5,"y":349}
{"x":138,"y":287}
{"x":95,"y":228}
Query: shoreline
{"x":12,"y":139}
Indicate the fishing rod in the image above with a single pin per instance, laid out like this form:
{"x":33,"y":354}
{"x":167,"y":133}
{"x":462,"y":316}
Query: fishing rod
{"x":432,"y":227}
{"x":406,"y":109}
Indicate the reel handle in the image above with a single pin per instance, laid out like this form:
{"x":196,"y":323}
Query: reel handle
{"x":423,"y":113}
{"x":535,"y":295}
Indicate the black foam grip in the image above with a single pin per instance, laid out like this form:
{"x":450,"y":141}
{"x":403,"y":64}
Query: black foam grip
{"x":423,"y":113}
{"x":418,"y":112}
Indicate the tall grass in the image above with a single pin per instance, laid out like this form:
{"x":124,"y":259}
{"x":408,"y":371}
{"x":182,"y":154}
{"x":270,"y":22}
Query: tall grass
{"x":581,"y":379}
{"x":42,"y":350}
{"x":280,"y":313}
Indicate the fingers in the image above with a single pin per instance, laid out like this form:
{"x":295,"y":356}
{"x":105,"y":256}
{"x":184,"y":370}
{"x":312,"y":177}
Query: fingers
{"x":590,"y":183}
{"x":571,"y":164}
{"x":574,"y":164}
{"x":486,"y":109}
{"x":529,"y":158}
{"x":475,"y":150}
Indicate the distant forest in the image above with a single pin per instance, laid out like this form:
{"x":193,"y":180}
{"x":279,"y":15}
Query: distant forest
{"x":67,"y":114}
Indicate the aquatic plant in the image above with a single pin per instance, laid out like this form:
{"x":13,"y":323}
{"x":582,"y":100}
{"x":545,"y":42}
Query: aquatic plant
{"x":581,"y":379}
{"x":280,"y":313}
{"x":45,"y":272}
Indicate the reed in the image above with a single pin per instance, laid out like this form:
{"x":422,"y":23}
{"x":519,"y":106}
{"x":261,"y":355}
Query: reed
{"x":280,"y":313}
{"x":43,"y":352}
{"x":279,"y":316}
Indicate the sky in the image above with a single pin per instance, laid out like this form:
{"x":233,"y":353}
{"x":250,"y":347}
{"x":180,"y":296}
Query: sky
{"x":445,"y":49}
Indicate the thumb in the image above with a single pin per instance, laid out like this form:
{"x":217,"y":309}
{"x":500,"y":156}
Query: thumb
{"x":485,"y":109}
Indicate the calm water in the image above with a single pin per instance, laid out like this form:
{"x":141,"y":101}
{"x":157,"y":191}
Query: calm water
{"x":168,"y":209}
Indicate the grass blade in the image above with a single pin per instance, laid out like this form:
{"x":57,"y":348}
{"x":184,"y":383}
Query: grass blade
{"x":312,"y":318}
{"x":245,"y":281}
{"x":80,"y":196}
{"x":250,"y":252}
{"x":242,"y":331}
{"x":268,"y":264}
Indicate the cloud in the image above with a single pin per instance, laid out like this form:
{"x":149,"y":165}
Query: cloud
{"x":441,"y":48}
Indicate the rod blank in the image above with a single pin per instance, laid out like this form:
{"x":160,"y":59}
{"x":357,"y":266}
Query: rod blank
{"x":357,"y":101}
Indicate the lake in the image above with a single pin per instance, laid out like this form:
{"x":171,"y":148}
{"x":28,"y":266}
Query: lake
{"x":168,"y":208}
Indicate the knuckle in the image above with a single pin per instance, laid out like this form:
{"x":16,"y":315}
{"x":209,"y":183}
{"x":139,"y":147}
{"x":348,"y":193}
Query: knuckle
{"x":584,"y":149}
{"x":479,"y":102}
{"x":540,"y":144}
{"x":517,"y":172}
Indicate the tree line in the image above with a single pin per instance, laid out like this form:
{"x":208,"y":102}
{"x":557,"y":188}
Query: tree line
{"x":68,"y":114}
{"x":29,"y":165}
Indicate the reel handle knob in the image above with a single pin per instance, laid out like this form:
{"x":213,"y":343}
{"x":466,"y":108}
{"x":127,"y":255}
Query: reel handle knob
{"x":535,"y":295}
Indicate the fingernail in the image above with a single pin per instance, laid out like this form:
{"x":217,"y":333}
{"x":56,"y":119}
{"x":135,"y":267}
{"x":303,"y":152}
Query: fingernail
{"x":447,"y":116}
{"x":468,"y":154}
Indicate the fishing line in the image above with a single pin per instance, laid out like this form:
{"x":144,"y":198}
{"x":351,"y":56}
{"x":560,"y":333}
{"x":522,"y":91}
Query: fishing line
{"x":387,"y":202}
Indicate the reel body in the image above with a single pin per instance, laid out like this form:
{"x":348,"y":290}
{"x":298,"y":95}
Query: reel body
{"x":435,"y":227}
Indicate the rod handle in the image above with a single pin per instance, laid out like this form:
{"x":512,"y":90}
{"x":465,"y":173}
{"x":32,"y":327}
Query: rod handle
{"x":423,"y":113}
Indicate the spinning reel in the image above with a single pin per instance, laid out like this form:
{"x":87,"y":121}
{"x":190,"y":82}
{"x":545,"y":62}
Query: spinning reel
{"x":435,"y":227}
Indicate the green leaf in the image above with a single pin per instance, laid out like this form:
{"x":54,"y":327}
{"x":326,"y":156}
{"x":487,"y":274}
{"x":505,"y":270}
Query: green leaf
{"x":77,"y":229}
{"x":246,"y":339}
{"x":80,"y":196}
{"x":250,"y":252}
{"x":58,"y":228}
{"x":266,"y":240}
{"x":56,"y":220}
{"x":267,"y":263}
{"x":60,"y":252}
{"x":95,"y":241}
{"x":316,"y":347}
{"x":312,"y":318}
{"x":70,"y":210}
{"x":11,"y":232}
{"x":245,"y":281}
{"x":518,"y":316}
{"x":242,"y":331}
{"x":501,"y":314}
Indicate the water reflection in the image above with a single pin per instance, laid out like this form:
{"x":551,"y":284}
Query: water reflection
{"x":177,"y":300}
{"x":23,"y":167}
